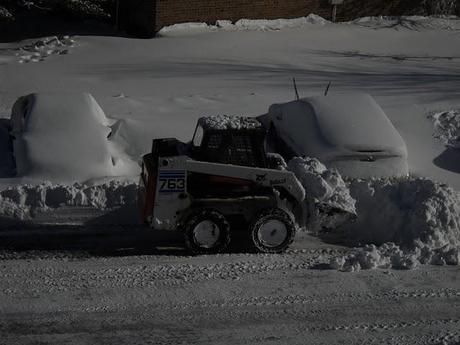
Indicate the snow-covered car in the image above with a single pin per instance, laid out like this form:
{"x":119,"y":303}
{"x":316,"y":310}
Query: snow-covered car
{"x":61,"y":137}
{"x":7,"y":163}
{"x":349,"y":132}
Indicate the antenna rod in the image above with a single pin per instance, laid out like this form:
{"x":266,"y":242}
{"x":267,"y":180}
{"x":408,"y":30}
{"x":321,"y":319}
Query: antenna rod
{"x":295,"y":88}
{"x":327,"y":89}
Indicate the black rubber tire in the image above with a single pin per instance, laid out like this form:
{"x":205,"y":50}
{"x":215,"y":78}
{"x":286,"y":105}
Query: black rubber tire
{"x":218,"y":219}
{"x":272,"y":214}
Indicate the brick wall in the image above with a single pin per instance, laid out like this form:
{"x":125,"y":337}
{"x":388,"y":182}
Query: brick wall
{"x":176,"y":11}
{"x":145,"y":17}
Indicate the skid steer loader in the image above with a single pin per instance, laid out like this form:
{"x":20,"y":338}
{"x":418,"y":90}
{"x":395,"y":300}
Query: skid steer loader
{"x":219,"y":184}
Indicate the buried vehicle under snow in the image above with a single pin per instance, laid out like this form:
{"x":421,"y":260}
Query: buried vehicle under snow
{"x":62,"y":137}
{"x":220,"y":183}
{"x":349,"y":132}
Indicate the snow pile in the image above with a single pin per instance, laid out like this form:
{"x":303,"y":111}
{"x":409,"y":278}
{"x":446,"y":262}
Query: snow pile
{"x":329,"y":200}
{"x":276,"y":24}
{"x":24,"y":202}
{"x":39,"y":50}
{"x":409,"y":22}
{"x":221,"y":122}
{"x":245,"y":25}
{"x":447,"y":127}
{"x":392,"y":22}
{"x":414,"y":221}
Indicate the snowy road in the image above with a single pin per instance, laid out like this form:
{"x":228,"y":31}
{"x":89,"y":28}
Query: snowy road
{"x":83,"y":295}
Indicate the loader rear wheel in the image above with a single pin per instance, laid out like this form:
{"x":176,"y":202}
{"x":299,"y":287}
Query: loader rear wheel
{"x":273,"y":231}
{"x":207,"y":232}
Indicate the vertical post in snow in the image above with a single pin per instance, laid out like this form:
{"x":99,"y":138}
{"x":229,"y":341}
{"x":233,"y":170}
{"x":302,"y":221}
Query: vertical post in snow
{"x":334,"y":4}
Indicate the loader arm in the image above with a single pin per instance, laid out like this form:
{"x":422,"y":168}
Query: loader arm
{"x":264,"y":177}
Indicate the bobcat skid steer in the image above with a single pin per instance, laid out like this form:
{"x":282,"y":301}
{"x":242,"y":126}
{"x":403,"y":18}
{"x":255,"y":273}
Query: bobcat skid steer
{"x":221,"y":183}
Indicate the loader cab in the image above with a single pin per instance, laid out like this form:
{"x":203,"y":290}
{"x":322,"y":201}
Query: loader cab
{"x":237,"y":146}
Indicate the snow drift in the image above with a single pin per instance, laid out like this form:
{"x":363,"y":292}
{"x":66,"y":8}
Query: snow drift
{"x":413,"y":220}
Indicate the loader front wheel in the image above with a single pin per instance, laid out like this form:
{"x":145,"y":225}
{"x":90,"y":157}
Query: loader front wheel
{"x":207,"y":232}
{"x":273,"y":231}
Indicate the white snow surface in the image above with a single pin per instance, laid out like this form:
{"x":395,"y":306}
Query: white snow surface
{"x":413,"y":220}
{"x":447,"y":127}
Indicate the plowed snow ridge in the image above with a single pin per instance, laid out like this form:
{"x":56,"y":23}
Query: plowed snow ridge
{"x":414,"y":220}
{"x":25,"y":201}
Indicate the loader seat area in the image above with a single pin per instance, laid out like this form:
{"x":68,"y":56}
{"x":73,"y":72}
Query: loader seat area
{"x":244,"y":147}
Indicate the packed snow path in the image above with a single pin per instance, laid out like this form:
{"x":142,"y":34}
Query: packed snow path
{"x":123,"y":296}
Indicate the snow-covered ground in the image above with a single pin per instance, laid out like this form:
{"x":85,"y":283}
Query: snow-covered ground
{"x":159,"y":88}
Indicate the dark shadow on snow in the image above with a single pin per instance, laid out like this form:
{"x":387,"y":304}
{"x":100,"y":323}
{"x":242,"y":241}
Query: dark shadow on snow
{"x":90,"y":240}
{"x":7,"y":161}
{"x":114,"y":233}
{"x":449,"y":160}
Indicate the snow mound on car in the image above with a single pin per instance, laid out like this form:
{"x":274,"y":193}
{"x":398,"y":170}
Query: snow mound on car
{"x":405,"y":223}
{"x":63,"y":137}
{"x":25,"y":202}
{"x":447,"y":127}
{"x":222,"y":122}
{"x":329,"y":200}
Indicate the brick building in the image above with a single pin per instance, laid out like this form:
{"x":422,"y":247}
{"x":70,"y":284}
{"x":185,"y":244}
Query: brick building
{"x":146,"y":17}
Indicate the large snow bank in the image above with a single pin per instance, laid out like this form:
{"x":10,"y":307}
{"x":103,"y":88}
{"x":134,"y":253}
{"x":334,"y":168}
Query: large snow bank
{"x":406,"y":22}
{"x":328,"y":198}
{"x":447,"y":127}
{"x":245,"y":24}
{"x":413,"y":220}
{"x":25,"y":202}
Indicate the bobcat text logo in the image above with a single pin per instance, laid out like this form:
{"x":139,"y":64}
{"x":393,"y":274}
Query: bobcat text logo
{"x":275,"y":182}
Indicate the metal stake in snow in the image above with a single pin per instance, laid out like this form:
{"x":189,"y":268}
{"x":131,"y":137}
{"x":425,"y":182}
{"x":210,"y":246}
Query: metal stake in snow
{"x":327,"y":89}
{"x":295,"y":89}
